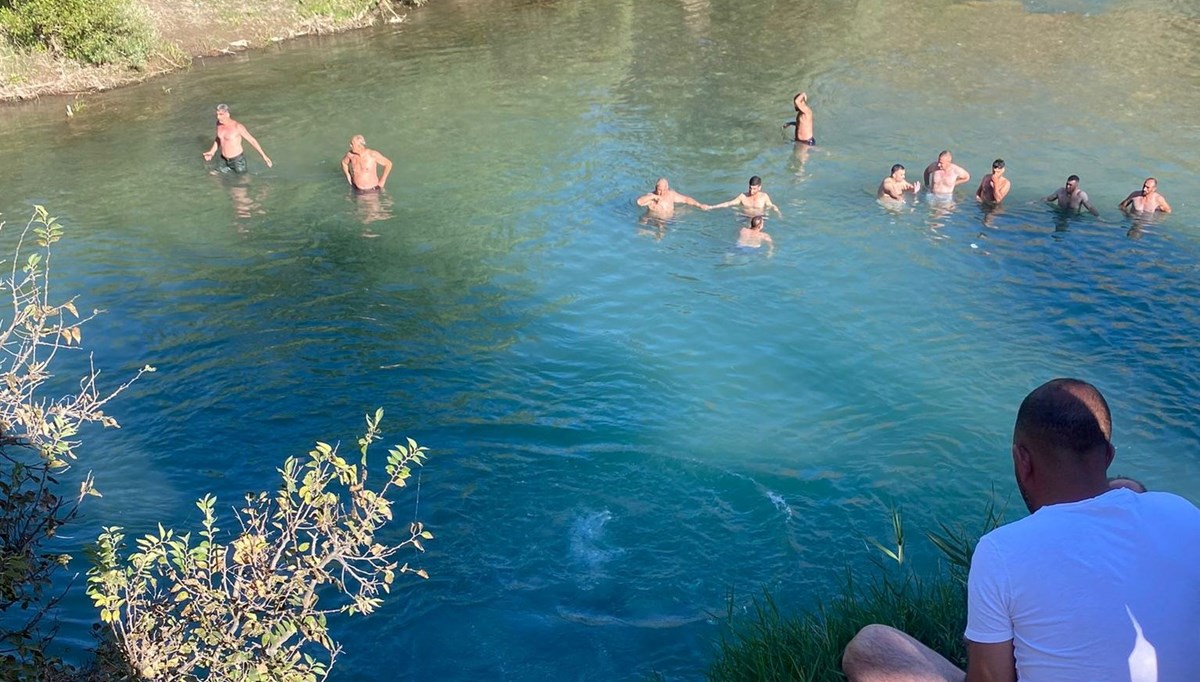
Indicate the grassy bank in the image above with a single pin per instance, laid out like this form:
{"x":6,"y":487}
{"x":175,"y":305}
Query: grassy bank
{"x":58,"y":47}
{"x":767,"y":644}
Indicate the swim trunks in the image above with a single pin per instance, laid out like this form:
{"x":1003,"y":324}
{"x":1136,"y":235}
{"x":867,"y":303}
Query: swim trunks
{"x":235,"y":165}
{"x":812,"y":141}
{"x":369,"y":190}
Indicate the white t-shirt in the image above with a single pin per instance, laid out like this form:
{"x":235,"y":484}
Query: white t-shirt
{"x":1103,"y":589}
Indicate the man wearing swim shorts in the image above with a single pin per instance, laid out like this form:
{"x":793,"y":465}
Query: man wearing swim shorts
{"x":1148,"y":200}
{"x":943,"y":175}
{"x":754,"y":201}
{"x":1070,"y":198}
{"x":804,"y":120}
{"x":361,"y":166}
{"x":228,"y":141}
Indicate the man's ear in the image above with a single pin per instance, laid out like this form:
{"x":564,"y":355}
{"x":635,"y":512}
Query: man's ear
{"x":1022,"y":461}
{"x":1112,"y":453}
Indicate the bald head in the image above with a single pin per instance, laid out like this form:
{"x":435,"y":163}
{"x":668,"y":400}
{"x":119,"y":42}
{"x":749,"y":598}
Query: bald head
{"x":1066,"y":420}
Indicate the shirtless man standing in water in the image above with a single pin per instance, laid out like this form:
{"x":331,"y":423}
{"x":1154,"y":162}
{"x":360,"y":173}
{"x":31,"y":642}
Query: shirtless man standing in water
{"x":942,"y":176}
{"x":1148,"y":200}
{"x":661,"y":202}
{"x":753,"y":201}
{"x":1071,"y":198}
{"x":229,"y":138}
{"x":993,"y":188}
{"x":804,"y":120}
{"x":894,"y":186}
{"x":361,"y":166}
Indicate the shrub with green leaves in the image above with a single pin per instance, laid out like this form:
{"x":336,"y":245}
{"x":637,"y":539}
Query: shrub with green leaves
{"x":39,"y":441}
{"x":252,"y":606}
{"x":90,"y":31}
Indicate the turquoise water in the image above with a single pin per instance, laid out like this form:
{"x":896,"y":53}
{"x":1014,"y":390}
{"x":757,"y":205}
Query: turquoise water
{"x":629,"y":423}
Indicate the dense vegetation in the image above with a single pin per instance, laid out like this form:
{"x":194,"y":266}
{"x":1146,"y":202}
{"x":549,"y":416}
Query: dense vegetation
{"x":88,"y":31}
{"x":99,"y":32}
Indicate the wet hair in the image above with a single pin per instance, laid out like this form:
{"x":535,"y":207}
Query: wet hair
{"x":1073,"y":177}
{"x":755,"y":181}
{"x":998,"y":163}
{"x":756,"y":222}
{"x":1154,"y":180}
{"x":797,"y":106}
{"x":1065,"y":419}
{"x":895,"y":168}
{"x":223,"y":108}
{"x":944,"y":152}
{"x":1133,"y":484}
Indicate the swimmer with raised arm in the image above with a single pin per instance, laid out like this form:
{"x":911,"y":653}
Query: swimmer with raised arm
{"x":1071,"y":198}
{"x":1148,"y":200}
{"x":943,"y":175}
{"x":894,"y":186}
{"x":661,"y":202}
{"x":753,"y":201}
{"x":361,"y":166}
{"x":228,"y":140}
{"x":804,"y":120}
{"x":994,"y":187}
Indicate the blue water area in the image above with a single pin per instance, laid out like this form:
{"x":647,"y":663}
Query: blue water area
{"x":634,"y":426}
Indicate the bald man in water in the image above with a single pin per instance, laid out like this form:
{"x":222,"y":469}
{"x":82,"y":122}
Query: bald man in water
{"x":361,"y":166}
{"x":661,"y":202}
{"x":943,"y":175}
{"x":1096,"y":584}
{"x":1148,"y":200}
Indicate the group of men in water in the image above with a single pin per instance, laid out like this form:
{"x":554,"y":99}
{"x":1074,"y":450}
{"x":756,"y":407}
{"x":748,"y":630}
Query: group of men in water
{"x":943,"y":176}
{"x":1102,"y":581}
{"x":366,"y":170}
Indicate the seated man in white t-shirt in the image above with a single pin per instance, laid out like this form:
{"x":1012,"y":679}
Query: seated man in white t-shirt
{"x":1097,"y":584}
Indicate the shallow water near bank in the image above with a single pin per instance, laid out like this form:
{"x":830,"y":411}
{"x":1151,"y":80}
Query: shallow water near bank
{"x":631,"y":423}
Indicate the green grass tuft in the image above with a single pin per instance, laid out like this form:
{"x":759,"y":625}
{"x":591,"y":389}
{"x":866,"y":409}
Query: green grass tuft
{"x":768,"y":645}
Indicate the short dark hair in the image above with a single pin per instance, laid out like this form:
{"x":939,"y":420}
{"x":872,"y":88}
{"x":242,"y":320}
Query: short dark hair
{"x":998,"y":163}
{"x":756,"y":222}
{"x":1065,"y":417}
{"x":755,"y":181}
{"x":896,"y":167}
{"x":1072,"y":177}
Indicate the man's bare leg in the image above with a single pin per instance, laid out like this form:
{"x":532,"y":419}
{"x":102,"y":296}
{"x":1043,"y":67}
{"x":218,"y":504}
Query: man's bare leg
{"x":879,"y":653}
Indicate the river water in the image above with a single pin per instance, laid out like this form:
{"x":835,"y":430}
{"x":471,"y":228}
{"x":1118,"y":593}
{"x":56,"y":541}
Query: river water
{"x":629,"y":423}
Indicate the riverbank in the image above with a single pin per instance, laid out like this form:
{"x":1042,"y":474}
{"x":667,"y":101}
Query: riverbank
{"x":185,"y":31}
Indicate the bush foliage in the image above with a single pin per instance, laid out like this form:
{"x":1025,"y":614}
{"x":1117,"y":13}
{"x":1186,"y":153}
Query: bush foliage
{"x":89,"y":31}
{"x":250,"y":608}
{"x":241,"y":606}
